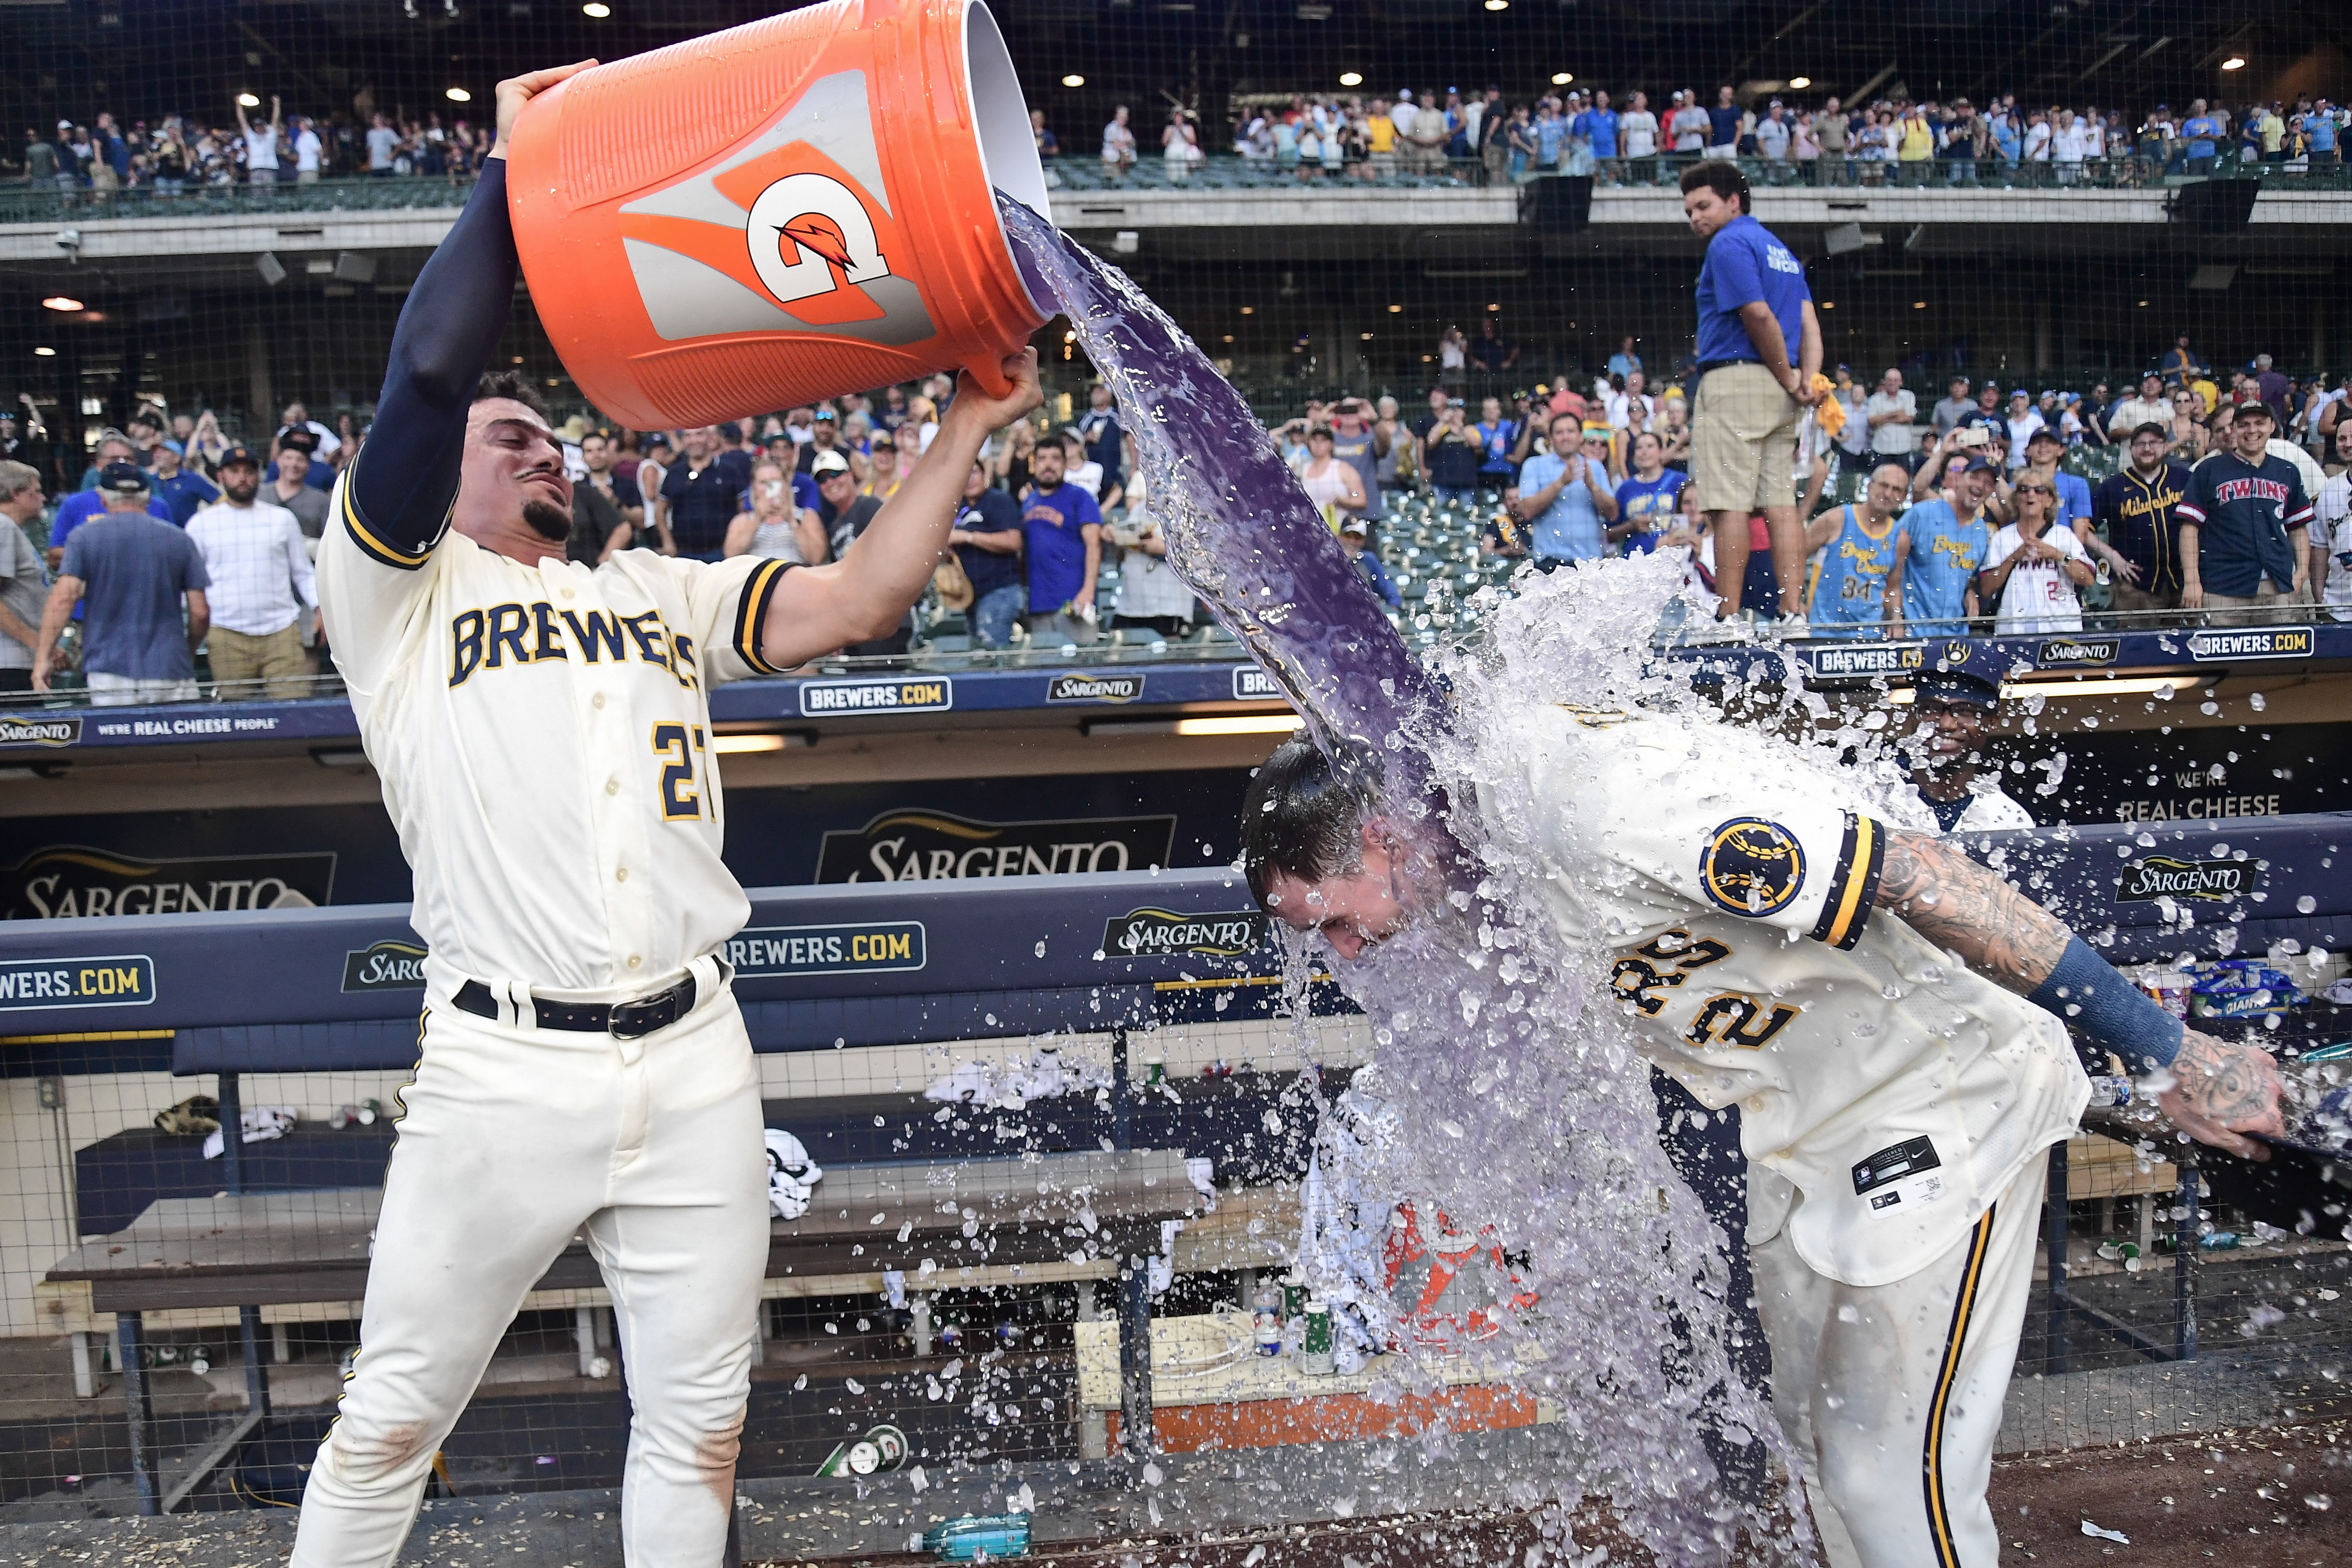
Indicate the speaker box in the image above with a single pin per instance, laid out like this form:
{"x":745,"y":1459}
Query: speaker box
{"x":2215,"y":206}
{"x":1561,"y":203}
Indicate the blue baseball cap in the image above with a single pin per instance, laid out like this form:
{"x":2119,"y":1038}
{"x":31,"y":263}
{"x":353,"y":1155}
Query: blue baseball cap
{"x":1961,"y":671}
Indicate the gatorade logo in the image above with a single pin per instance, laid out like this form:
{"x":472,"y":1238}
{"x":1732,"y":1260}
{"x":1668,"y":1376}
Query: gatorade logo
{"x":809,"y":235}
{"x":789,"y":231}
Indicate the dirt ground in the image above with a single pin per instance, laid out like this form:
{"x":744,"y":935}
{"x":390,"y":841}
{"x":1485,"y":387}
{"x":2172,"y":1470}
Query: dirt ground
{"x":2278,"y":1498}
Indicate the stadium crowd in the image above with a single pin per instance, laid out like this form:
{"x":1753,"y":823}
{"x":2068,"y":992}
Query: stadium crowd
{"x":177,"y":152}
{"x":1580,"y":468}
{"x":1629,"y":137}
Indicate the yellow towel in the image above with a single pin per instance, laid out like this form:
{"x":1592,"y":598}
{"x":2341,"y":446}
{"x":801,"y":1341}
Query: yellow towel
{"x":1829,"y":412}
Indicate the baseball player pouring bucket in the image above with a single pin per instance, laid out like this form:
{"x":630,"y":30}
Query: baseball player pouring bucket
{"x":542,"y":732}
{"x":1780,"y":949}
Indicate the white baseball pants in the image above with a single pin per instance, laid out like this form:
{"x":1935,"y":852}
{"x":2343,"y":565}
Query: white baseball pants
{"x":1892,"y":1393}
{"x":513,"y":1139}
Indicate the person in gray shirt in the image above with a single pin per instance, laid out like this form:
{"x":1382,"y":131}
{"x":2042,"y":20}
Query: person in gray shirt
{"x":292,"y":488}
{"x":23,"y":582}
{"x":1954,"y":409}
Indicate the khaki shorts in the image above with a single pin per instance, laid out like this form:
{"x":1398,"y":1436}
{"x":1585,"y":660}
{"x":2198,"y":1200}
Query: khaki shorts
{"x":2266,"y":605}
{"x":1743,"y":438}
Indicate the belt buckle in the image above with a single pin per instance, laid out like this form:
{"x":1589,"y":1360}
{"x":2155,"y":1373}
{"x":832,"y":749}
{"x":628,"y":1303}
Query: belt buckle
{"x":623,"y":1021}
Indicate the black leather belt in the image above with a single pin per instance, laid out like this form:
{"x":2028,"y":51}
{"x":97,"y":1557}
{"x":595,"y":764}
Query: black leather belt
{"x":1708,"y":365}
{"x":622,"y":1020}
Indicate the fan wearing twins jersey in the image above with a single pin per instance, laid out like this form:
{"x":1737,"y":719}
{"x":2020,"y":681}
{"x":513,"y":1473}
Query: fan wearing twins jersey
{"x":541,"y":730}
{"x":1780,"y":950}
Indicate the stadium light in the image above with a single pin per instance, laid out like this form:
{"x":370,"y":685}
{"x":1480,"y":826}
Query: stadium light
{"x":1800,"y":82}
{"x":1499,"y":5}
{"x":2234,"y":63}
{"x":458,"y":95}
{"x":596,"y":8}
{"x":45,"y":352}
{"x":1249,"y":309}
{"x":1561,"y":79}
{"x":1352,"y":78}
{"x":1073,"y":79}
{"x":1396,"y":309}
{"x":62,"y":302}
{"x":248,"y":100}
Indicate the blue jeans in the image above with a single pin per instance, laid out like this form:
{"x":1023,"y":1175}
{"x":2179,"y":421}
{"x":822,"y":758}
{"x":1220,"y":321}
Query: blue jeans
{"x":991,"y":618}
{"x":1445,"y":493}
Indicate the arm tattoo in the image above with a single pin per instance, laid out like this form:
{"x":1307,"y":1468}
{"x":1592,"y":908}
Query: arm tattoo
{"x":2222,"y":1083}
{"x":1961,"y":906}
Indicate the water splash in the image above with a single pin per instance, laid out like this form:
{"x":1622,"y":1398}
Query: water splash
{"x":1487,"y":1025}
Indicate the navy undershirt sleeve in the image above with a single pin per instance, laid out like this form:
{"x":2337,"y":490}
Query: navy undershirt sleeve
{"x":405,"y":477}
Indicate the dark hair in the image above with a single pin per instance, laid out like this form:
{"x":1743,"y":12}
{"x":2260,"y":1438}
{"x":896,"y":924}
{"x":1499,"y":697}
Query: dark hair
{"x":1720,"y":176}
{"x":1299,"y":815}
{"x":513,"y":385}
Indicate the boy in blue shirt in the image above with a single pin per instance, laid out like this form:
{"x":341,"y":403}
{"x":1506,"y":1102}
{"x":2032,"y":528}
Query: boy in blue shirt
{"x":1936,"y":565}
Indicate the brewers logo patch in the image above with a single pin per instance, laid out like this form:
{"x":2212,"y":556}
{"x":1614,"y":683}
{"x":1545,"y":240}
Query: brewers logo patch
{"x":1752,"y":866}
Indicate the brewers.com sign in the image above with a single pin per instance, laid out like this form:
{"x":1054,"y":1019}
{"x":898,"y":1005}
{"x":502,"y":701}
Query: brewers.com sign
{"x":68,"y":880}
{"x":931,"y":845}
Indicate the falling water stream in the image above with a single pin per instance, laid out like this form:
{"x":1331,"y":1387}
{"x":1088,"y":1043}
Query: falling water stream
{"x":1521,"y":1097}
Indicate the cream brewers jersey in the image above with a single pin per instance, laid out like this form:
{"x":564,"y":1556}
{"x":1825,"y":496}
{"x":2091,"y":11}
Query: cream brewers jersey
{"x":543,"y":735}
{"x":1731,"y":883}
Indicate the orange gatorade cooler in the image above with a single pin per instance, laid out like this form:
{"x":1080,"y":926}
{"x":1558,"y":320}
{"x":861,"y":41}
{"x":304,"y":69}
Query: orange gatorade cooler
{"x":785,"y":211}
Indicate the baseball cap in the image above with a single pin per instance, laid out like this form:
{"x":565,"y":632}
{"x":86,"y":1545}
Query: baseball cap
{"x":235,"y":455}
{"x":2044,"y":432}
{"x":123,"y":479}
{"x":1976,"y":466}
{"x":300,"y":440}
{"x":1964,"y":672}
{"x":2150,"y":427}
{"x":1356,"y":525}
{"x":829,"y":463}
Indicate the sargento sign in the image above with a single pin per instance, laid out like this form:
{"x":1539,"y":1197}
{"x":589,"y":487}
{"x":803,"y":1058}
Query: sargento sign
{"x":2076,"y":653}
{"x":2261,"y":642}
{"x":1867,"y":658}
{"x":1095,"y":688}
{"x":869,"y":947}
{"x":384,"y":967}
{"x":930,"y":845}
{"x":122,"y":981}
{"x":1222,"y":933}
{"x":2163,"y":876}
{"x":16,"y":730}
{"x":927,"y":694}
{"x":68,"y":880}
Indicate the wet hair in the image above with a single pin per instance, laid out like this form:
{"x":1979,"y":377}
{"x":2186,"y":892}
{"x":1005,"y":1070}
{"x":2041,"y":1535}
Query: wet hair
{"x":1720,"y":176}
{"x":514,"y":387}
{"x":1299,"y":816}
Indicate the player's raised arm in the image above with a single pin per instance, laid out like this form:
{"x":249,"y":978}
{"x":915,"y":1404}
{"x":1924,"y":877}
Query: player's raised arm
{"x":2217,"y":1091}
{"x":863,"y":594}
{"x":396,"y":500}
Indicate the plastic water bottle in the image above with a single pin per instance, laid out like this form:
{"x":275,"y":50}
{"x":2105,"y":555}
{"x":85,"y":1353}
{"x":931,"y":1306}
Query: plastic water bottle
{"x":2110,"y":1092}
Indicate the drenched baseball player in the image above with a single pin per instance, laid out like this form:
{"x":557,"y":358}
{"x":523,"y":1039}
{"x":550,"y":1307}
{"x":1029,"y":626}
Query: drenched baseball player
{"x":543,"y":733}
{"x":1884,"y":1012}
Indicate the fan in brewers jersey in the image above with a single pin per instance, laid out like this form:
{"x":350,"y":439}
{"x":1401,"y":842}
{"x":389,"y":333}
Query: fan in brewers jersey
{"x":542,"y":729}
{"x":2242,"y":528}
{"x":1944,"y":541}
{"x":1895,"y":1105}
{"x":2035,"y":567}
{"x":1953,"y":705}
{"x":1855,"y":547}
{"x":2136,"y":507}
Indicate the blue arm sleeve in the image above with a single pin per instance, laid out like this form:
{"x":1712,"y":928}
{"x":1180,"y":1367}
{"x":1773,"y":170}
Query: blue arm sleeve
{"x":405,"y":477}
{"x":2087,"y":991}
